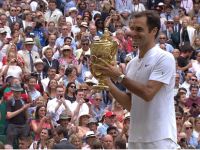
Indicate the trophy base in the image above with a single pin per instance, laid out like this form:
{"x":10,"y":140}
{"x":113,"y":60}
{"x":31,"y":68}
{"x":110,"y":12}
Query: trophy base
{"x":100,"y":87}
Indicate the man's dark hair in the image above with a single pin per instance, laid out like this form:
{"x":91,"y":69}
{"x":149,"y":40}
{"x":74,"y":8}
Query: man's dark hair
{"x":61,"y":130}
{"x":96,"y":144}
{"x":186,"y":48}
{"x":153,"y":19}
{"x":52,"y":1}
{"x":120,"y":143}
{"x":111,"y":128}
{"x":67,"y":38}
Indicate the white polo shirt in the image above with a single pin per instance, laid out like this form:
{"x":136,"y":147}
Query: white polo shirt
{"x":154,"y":120}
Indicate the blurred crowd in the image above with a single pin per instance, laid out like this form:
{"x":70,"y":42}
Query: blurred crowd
{"x":46,"y":95}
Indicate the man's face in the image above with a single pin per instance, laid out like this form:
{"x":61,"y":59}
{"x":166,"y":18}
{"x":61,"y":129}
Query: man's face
{"x":52,"y":73}
{"x":23,"y":144}
{"x":39,"y":66}
{"x":52,"y":39}
{"x":80,"y":95}
{"x":64,"y":122}
{"x":194,"y":92}
{"x":32,"y":82}
{"x":110,"y":120}
{"x":52,"y":6}
{"x":60,"y":92}
{"x":108,"y":142}
{"x":13,"y":11}
{"x":3,"y":19}
{"x":162,"y":39}
{"x":140,"y":31}
{"x":17,"y":94}
{"x":28,"y":47}
{"x":85,"y":45}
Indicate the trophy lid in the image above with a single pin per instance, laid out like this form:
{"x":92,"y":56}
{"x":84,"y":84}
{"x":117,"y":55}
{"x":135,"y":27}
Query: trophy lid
{"x":106,"y":39}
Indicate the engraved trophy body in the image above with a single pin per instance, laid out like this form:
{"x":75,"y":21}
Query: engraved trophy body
{"x":105,"y":49}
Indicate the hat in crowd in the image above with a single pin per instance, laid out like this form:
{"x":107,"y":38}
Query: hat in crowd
{"x":84,"y":24}
{"x":38,"y":61}
{"x":84,"y":113}
{"x":64,"y":116}
{"x":92,"y":120}
{"x":16,"y":87}
{"x":66,"y":47}
{"x":170,"y":20}
{"x":96,"y":38}
{"x":161,"y":4}
{"x":2,"y":30}
{"x":90,"y":81}
{"x":73,"y":9}
{"x":110,"y":114}
{"x":89,"y":134}
{"x":29,"y":41}
{"x":32,"y":34}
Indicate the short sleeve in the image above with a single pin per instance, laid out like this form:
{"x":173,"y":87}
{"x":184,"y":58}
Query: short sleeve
{"x":164,"y":69}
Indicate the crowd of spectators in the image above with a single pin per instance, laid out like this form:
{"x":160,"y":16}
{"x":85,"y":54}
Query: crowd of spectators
{"x":46,"y":95}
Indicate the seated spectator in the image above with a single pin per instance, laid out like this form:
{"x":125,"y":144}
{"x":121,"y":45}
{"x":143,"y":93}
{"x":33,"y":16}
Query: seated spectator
{"x":45,"y":135}
{"x":76,"y":141}
{"x":62,"y":138}
{"x":107,"y":142}
{"x":25,"y":142}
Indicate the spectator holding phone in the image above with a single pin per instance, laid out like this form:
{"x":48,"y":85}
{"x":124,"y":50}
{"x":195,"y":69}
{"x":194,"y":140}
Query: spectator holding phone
{"x":57,"y":105}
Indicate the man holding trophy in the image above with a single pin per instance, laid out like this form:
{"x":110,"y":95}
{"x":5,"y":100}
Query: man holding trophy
{"x":149,"y":80}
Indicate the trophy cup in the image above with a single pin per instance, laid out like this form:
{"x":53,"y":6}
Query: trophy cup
{"x":105,"y":49}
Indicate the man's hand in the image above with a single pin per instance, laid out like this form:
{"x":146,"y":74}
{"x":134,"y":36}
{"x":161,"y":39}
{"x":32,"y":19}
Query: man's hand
{"x":26,"y":106}
{"x":109,"y":70}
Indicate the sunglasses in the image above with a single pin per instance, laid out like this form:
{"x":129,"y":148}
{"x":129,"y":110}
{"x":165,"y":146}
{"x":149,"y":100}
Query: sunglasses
{"x":85,"y":44}
{"x":193,"y":79}
{"x":13,"y":10}
{"x":178,"y":118}
{"x":187,"y":128}
{"x":84,"y":89}
{"x":162,"y":38}
{"x":98,"y":99}
{"x":73,"y":87}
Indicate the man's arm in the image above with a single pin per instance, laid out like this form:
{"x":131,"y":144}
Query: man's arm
{"x":10,"y":115}
{"x":123,"y":98}
{"x":146,"y":92}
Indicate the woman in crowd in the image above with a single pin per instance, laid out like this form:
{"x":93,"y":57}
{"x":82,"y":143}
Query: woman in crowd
{"x":70,"y":92}
{"x":67,"y":57}
{"x":13,"y":67}
{"x":41,"y":121}
{"x":76,"y":141}
{"x":28,"y":20}
{"x":83,"y":124}
{"x":12,"y":48}
{"x":49,"y":61}
{"x":188,"y":129}
{"x":42,"y":142}
{"x":51,"y":88}
{"x":71,"y":75}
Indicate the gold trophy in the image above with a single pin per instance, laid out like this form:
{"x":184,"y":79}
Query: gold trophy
{"x":105,"y":49}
